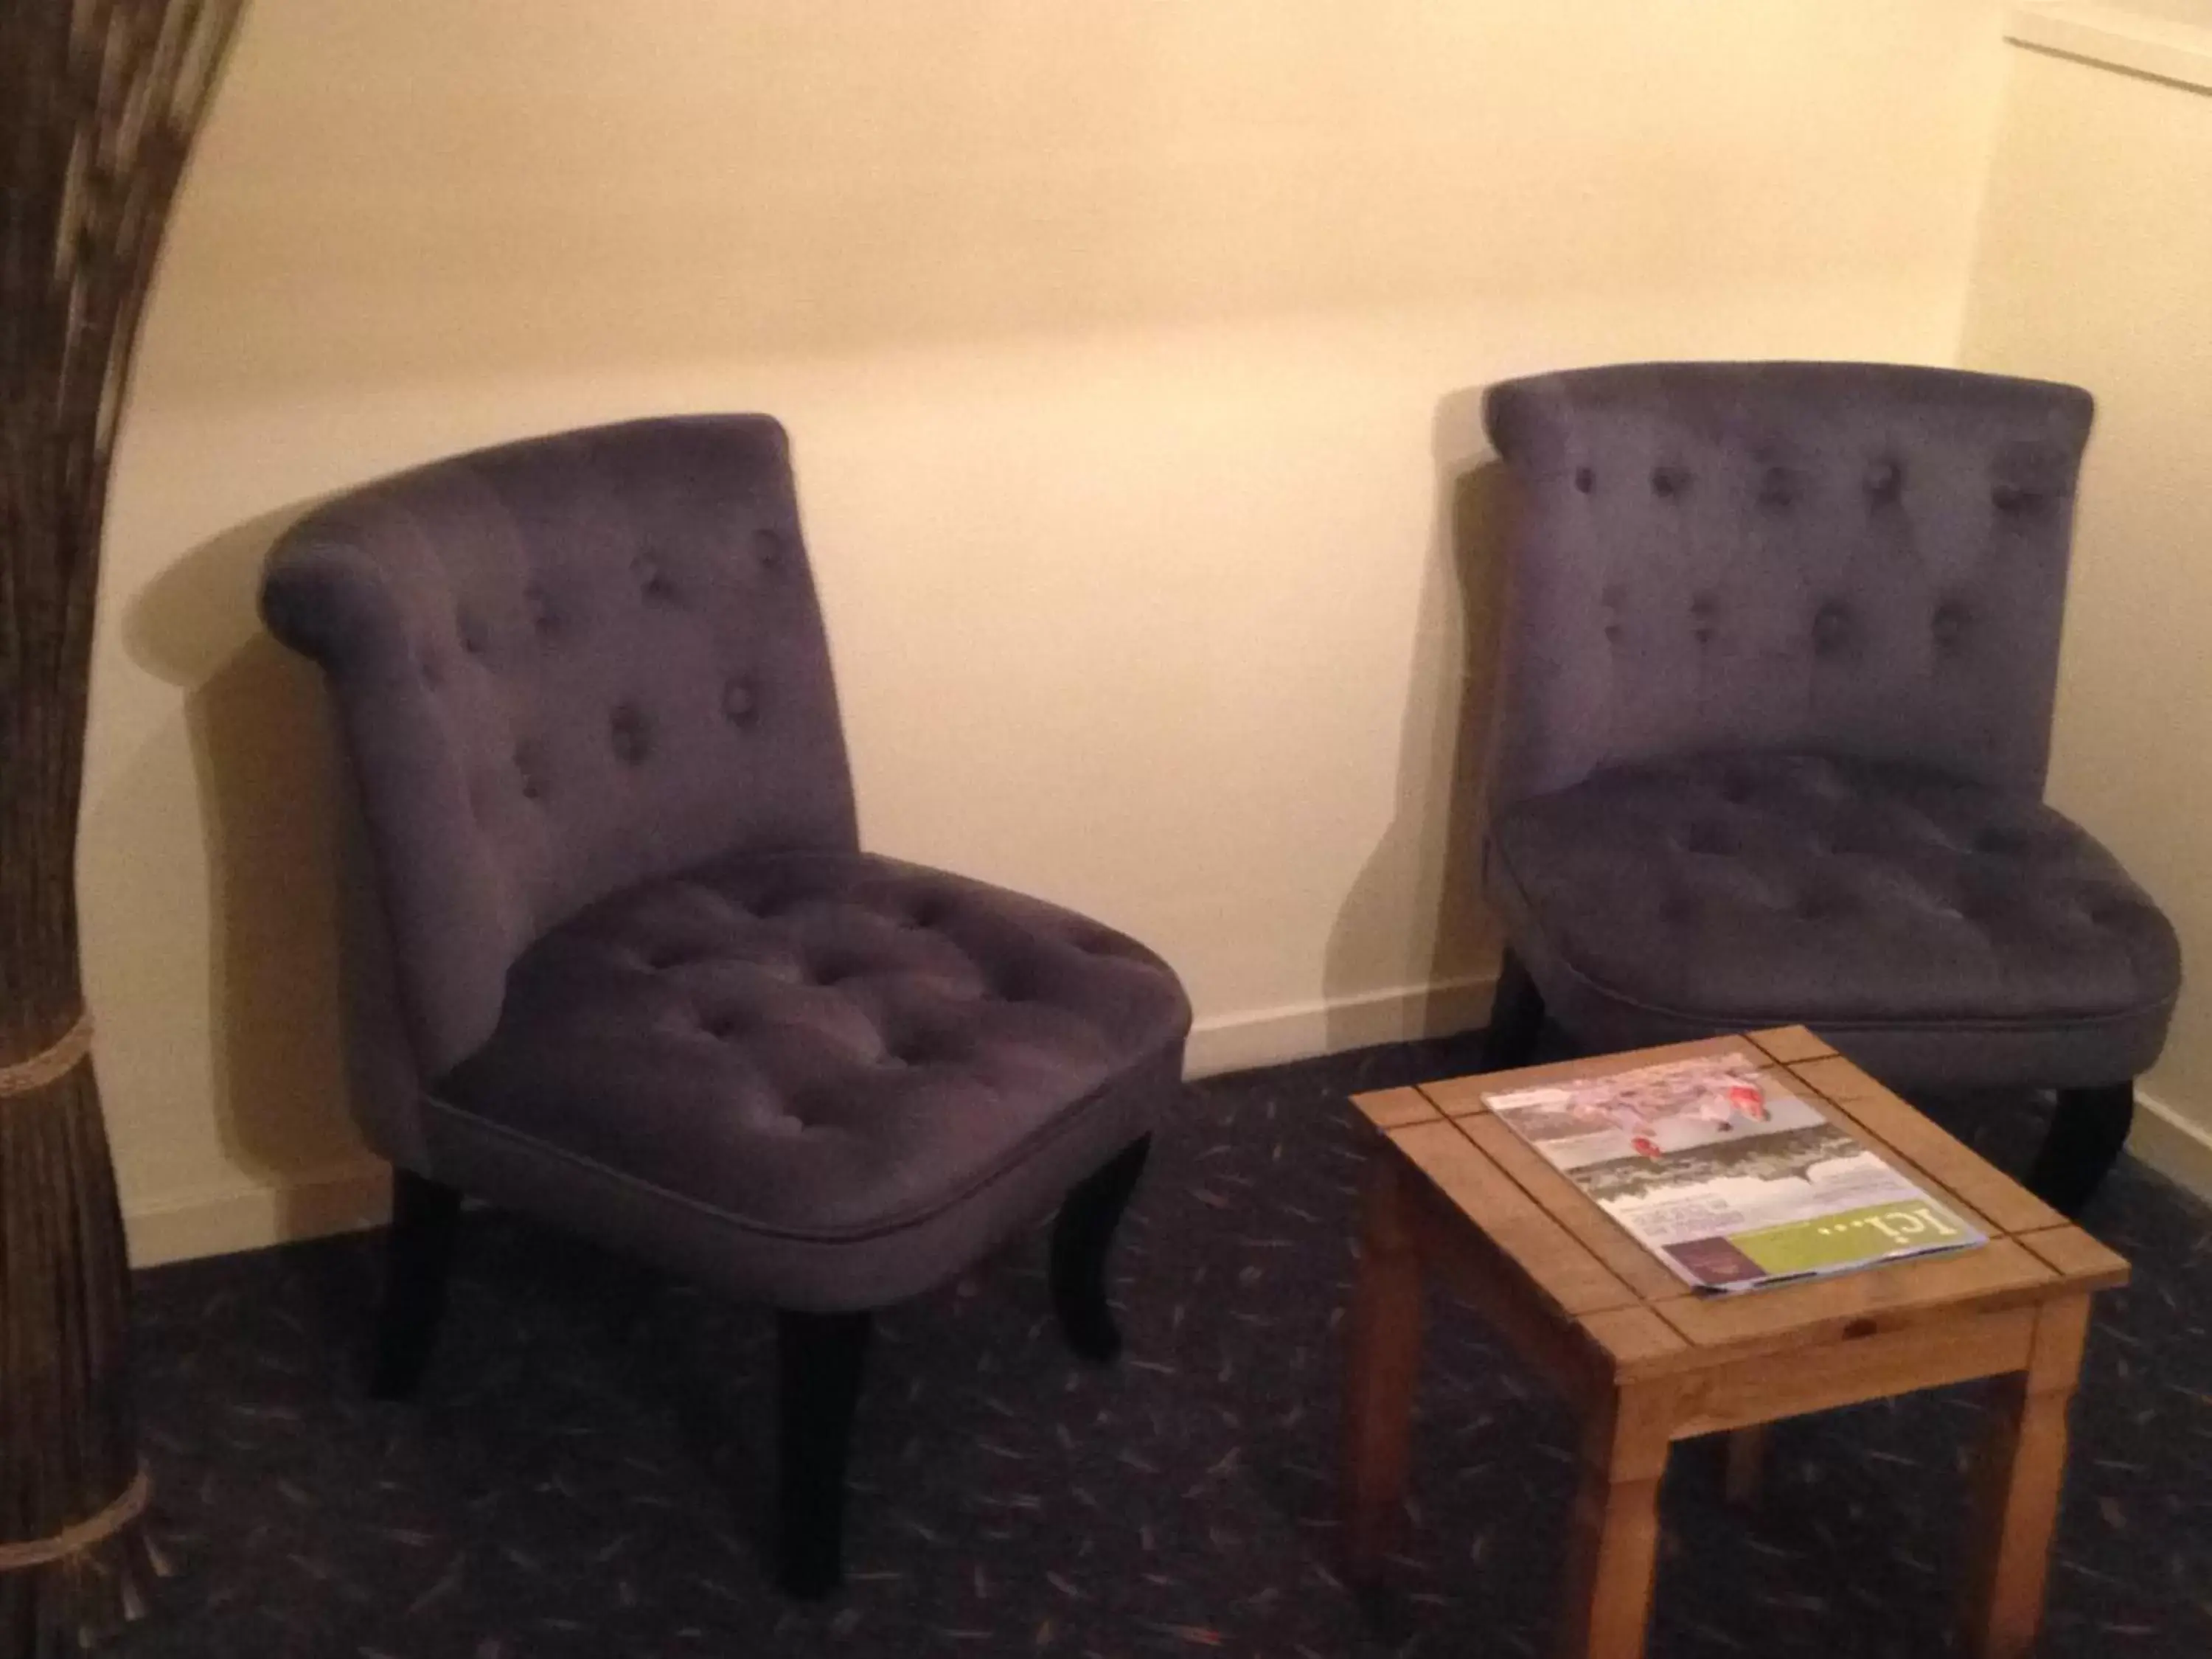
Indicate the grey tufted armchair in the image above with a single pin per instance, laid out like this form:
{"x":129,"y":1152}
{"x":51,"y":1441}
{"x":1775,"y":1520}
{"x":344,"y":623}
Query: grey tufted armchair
{"x":1780,"y":655}
{"x":615,"y":956}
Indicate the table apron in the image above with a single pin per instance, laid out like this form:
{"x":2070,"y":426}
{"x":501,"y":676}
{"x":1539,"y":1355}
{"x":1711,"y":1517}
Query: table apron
{"x":1764,"y":1387}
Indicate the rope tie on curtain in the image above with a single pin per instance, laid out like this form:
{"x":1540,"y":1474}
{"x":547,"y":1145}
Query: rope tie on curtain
{"x":66,"y":1054}
{"x":50,"y":1065}
{"x":71,"y":1539}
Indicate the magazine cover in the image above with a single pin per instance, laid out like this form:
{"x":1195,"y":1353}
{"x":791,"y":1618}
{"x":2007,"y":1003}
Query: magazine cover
{"x":1727,"y":1176}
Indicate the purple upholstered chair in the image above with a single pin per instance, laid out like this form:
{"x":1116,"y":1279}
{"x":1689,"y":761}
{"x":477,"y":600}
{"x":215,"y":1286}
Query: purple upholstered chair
{"x":617,"y":959}
{"x":1780,"y":653}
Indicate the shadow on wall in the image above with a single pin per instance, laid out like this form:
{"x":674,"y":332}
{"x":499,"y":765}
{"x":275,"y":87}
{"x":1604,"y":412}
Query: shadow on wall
{"x":264,"y":764}
{"x":1418,"y":900}
{"x":1412,"y":948}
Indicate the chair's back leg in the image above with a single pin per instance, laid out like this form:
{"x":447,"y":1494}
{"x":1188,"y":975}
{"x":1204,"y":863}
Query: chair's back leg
{"x":2087,"y":1133}
{"x":1082,"y":1241}
{"x":418,"y":1261}
{"x":819,"y":1359}
{"x":1516,"y":1017}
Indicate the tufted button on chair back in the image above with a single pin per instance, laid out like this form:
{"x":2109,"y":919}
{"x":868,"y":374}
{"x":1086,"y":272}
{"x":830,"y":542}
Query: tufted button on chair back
{"x":1857,"y":559}
{"x":563,"y":666}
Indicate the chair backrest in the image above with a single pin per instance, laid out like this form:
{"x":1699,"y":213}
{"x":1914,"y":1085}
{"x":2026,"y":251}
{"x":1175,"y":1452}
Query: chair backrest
{"x":559,"y":667}
{"x":1855,"y":558}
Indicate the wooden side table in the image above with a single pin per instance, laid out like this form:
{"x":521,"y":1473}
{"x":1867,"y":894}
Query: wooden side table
{"x":1645,"y":1362}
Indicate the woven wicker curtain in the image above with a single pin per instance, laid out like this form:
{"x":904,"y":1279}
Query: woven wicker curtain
{"x":99,"y":102}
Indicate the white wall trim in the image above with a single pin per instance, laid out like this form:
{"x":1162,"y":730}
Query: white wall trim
{"x":2136,"y":36}
{"x":2174,"y":1143}
{"x":253,"y":1214}
{"x":1300,"y":1030}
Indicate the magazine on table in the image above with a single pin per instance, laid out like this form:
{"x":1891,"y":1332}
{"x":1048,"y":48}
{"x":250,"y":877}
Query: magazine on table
{"x":1728,"y":1177}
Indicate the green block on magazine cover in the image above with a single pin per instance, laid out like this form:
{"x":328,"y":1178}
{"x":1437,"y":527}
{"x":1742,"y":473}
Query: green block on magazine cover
{"x":1851,"y":1237}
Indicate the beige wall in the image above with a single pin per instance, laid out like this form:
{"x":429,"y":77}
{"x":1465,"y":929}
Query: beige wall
{"x":2095,"y":266}
{"x":1131,"y":350}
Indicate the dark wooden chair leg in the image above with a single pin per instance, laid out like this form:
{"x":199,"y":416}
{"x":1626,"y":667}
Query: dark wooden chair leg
{"x":2087,"y":1133}
{"x":418,"y":1260}
{"x":1082,"y":1240}
{"x":819,"y":1361}
{"x":1516,"y":1017}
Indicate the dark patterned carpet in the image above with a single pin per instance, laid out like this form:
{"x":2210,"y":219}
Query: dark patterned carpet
{"x":582,"y":1472}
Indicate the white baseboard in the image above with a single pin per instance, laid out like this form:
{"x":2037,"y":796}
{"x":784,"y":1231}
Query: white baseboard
{"x":1270,"y":1037}
{"x":254,"y":1215}
{"x":2175,"y":1143}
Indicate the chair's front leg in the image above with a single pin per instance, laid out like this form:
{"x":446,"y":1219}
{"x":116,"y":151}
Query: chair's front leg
{"x":1082,"y":1240}
{"x":2086,"y":1135}
{"x":418,"y":1261}
{"x":819,"y":1360}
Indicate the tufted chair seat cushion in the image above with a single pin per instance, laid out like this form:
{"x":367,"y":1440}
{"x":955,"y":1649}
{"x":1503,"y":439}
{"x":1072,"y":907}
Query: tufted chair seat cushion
{"x":1939,"y":930}
{"x":864,"y":1070}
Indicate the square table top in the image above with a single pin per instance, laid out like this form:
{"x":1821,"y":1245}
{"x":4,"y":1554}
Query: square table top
{"x":1588,"y":1271}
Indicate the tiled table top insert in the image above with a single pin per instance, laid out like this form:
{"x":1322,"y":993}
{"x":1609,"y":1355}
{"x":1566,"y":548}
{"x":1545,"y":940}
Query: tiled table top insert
{"x":1646,"y":1320}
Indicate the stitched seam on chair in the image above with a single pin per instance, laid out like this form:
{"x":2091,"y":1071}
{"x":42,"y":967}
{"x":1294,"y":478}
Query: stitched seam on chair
{"x":701,"y":1207}
{"x":1955,"y":1021}
{"x":1064,"y":1125}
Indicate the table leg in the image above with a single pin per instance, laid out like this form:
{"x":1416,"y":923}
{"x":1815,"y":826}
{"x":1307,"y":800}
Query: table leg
{"x":1614,"y":1545}
{"x":2023,"y":1461}
{"x":1381,"y":1364}
{"x":1747,"y":1462}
